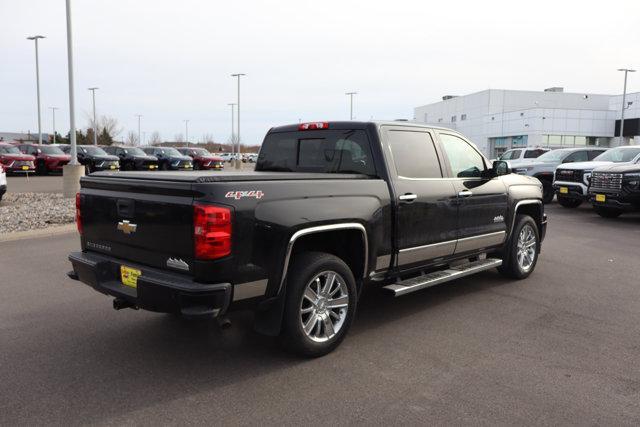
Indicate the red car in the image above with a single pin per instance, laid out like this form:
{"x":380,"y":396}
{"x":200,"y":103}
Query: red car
{"x":48,"y":158}
{"x":14,"y":161}
{"x":202,"y":159}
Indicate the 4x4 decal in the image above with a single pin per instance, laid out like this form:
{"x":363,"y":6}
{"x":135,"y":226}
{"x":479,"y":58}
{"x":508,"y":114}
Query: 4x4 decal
{"x":256,"y":194}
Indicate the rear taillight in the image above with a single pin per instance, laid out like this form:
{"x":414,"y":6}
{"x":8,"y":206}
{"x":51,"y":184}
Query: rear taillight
{"x":211,"y":231}
{"x":79,"y":213}
{"x":313,"y":126}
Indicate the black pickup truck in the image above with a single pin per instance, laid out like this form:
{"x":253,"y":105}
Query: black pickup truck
{"x":331,"y":209}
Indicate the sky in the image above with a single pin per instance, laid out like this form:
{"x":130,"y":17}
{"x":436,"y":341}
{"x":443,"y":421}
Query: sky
{"x":171,"y":61}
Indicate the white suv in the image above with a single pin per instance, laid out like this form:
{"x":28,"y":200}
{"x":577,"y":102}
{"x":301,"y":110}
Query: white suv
{"x":521,"y":155}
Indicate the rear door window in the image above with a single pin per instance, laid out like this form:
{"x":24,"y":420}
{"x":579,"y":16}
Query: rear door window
{"x":533,"y":154}
{"x":414,"y":154}
{"x":578,"y":156}
{"x":323,"y":151}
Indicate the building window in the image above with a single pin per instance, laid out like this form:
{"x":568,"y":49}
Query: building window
{"x":463,"y":117}
{"x":440,"y":120}
{"x":453,"y":119}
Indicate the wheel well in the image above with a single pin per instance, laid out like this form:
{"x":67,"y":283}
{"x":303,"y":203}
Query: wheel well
{"x":534,"y":210}
{"x":544,"y":178}
{"x":347,"y":245}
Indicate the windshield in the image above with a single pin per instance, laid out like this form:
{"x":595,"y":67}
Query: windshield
{"x":93,"y":151}
{"x":618,"y":155}
{"x":9,"y":149}
{"x":170,"y":152}
{"x":325,"y":151}
{"x":552,"y":156}
{"x":134,"y":151}
{"x":200,"y":152}
{"x":50,"y":150}
{"x":510,"y":155}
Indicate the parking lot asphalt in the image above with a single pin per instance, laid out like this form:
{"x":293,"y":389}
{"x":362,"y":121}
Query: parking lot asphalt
{"x":562,"y":347}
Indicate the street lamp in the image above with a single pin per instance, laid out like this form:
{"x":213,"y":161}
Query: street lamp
{"x":238,"y":75}
{"x":139,"y":134}
{"x":233,"y":130}
{"x":35,"y":39}
{"x":95,"y":123}
{"x":186,"y":131}
{"x":624,"y":99}
{"x":72,"y":171}
{"x":351,"y":108}
{"x":53,"y":111}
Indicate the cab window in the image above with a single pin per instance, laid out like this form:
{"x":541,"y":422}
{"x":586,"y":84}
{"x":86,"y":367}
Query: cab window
{"x":464,"y":160}
{"x":414,"y":154}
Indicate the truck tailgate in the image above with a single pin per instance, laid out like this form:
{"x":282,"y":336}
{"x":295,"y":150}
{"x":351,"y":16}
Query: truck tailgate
{"x":149,"y":222}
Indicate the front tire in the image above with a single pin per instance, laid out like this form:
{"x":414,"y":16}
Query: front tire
{"x":521,"y":251}
{"x":547,"y":192}
{"x":320,"y":304}
{"x":607,"y":212}
{"x":568,"y":202}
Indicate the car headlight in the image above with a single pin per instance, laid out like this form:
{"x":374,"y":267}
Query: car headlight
{"x":586,"y":178}
{"x":632,"y":175}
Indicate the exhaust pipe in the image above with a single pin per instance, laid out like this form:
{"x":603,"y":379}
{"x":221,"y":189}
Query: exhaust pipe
{"x":119,"y":304}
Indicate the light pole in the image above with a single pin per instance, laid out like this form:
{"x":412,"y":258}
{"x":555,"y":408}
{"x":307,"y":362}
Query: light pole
{"x":186,"y":131}
{"x":233,"y":130}
{"x":624,"y":100}
{"x":238,"y":161}
{"x":139,"y":134}
{"x":35,"y":39}
{"x":71,"y":172}
{"x":351,"y":107}
{"x":95,"y":123}
{"x":53,"y":111}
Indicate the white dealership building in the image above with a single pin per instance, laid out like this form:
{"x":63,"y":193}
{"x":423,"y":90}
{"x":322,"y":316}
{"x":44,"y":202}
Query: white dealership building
{"x":497,"y":120}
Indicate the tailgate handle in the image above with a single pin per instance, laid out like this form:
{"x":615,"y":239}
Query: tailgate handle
{"x":125,"y":208}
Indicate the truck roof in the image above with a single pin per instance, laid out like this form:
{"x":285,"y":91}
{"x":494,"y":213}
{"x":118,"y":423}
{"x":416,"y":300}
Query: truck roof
{"x":359,"y":125}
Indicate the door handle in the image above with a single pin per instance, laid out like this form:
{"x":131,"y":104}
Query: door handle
{"x":465,"y":193}
{"x":408,"y":197}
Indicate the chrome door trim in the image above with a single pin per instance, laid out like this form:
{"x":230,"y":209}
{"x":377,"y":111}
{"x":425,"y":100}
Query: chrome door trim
{"x":426,"y":252}
{"x":467,"y":244}
{"x":320,"y":229}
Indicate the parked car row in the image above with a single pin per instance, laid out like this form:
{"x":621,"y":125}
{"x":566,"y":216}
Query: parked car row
{"x":245,"y":157}
{"x":611,"y":182}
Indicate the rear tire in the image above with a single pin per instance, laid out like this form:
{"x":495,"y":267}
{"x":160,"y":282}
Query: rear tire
{"x":41,"y":168}
{"x":522,"y":249}
{"x":568,"y":202}
{"x":320,"y":304}
{"x":607,"y":212}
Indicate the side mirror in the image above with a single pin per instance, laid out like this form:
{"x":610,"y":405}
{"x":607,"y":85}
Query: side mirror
{"x":500,"y":168}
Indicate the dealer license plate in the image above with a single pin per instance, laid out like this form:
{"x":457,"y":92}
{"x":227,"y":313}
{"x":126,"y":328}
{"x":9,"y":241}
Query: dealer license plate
{"x":601,"y":198}
{"x":129,"y":276}
{"x":112,"y":167}
{"x":564,"y":190}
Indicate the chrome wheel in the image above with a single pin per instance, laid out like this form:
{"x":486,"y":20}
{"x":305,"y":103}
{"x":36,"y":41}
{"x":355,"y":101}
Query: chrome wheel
{"x":324,"y":306}
{"x":527,"y":246}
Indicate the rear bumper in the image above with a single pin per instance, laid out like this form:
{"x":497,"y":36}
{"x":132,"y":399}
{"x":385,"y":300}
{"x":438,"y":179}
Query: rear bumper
{"x":156,"y":290}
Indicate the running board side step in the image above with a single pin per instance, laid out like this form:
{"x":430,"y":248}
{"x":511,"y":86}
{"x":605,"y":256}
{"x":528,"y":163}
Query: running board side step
{"x":437,"y":277}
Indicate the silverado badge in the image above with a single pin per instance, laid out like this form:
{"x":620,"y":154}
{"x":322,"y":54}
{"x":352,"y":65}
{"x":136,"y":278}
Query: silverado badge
{"x":126,"y":227}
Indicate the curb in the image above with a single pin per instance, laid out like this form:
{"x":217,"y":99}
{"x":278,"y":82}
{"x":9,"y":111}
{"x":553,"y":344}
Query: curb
{"x":41,"y":232}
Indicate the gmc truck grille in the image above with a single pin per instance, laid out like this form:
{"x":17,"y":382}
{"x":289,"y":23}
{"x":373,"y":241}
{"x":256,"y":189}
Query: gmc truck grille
{"x":569,"y":175}
{"x":606,"y":181}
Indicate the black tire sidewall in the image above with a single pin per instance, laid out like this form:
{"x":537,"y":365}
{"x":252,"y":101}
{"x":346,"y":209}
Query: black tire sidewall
{"x":547,"y":191}
{"x":304,"y":268}
{"x":567,"y":202}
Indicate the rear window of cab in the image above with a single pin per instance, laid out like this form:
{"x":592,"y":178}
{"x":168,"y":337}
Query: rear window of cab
{"x":324,"y":151}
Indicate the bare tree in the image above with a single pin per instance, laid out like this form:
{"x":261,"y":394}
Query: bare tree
{"x":105,"y":123}
{"x":178,"y":137}
{"x":132,"y":138}
{"x":155,"y":138}
{"x":208,"y":138}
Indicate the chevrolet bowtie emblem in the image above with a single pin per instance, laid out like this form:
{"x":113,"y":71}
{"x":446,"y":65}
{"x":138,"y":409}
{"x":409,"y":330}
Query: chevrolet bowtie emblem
{"x":126,"y":227}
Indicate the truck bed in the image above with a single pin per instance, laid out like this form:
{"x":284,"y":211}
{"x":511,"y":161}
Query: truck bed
{"x":214,"y":176}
